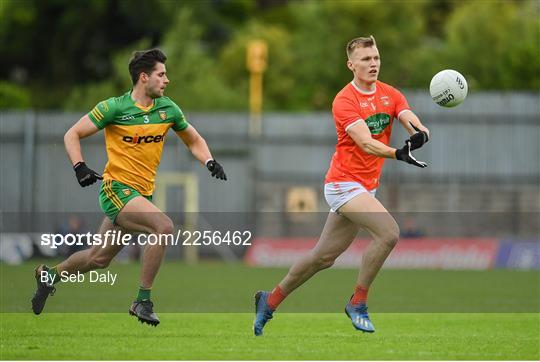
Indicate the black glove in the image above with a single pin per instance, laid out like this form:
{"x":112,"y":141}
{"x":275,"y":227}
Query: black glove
{"x":404,"y":154}
{"x":86,"y":176}
{"x":418,"y":139}
{"x":216,"y":169}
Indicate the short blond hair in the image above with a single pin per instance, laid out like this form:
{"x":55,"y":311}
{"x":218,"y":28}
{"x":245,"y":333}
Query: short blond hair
{"x":360,"y":42}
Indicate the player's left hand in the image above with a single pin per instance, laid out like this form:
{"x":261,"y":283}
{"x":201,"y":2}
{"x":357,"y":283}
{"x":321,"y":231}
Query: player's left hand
{"x":404,"y":154}
{"x":85,"y":176}
{"x":419,"y":138}
{"x":216,"y":169}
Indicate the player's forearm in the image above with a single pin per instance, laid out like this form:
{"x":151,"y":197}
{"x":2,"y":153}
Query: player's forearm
{"x":416,"y":126}
{"x":72,"y":143}
{"x":409,"y":120}
{"x":377,"y":148}
{"x":410,"y":130}
{"x":200,"y":150}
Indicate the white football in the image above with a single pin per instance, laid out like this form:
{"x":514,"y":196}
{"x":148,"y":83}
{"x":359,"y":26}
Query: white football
{"x":448,"y":88}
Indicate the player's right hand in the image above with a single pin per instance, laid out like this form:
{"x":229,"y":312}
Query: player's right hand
{"x":418,"y":139}
{"x":86,"y":176}
{"x":404,"y":154}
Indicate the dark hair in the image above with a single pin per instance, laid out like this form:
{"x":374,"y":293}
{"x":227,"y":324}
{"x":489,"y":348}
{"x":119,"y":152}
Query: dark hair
{"x":144,"y":61}
{"x":363,"y":42}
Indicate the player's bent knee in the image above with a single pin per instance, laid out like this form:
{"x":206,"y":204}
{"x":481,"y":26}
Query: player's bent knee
{"x":165,"y":226}
{"x":100,"y":262}
{"x":390,"y":239}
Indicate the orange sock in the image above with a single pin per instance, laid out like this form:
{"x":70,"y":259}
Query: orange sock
{"x":275,"y":298}
{"x":360,"y":295}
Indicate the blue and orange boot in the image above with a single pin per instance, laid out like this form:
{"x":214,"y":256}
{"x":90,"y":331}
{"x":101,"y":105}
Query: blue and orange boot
{"x":359,"y":317}
{"x":263,"y":313}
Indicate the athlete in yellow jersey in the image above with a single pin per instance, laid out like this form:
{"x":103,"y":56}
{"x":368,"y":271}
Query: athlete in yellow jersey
{"x":135,"y":126}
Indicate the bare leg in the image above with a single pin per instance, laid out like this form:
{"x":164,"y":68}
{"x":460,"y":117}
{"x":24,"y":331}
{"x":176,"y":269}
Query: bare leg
{"x":141,"y":215}
{"x":337,"y":235}
{"x":363,"y":211}
{"x":96,"y":257}
{"x":366,"y":211}
{"x":138,"y":214}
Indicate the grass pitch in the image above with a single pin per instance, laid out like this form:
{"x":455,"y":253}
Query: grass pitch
{"x":206,"y":312}
{"x":289,"y":336}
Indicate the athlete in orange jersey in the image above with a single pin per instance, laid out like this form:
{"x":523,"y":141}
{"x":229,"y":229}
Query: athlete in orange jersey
{"x":377,"y":109}
{"x":363,"y":113}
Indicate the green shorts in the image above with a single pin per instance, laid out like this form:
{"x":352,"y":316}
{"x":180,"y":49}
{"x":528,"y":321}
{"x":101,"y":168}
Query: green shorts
{"x":114,"y":195}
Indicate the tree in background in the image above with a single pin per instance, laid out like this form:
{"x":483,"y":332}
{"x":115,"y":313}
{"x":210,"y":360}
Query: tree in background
{"x":321,"y":30}
{"x":193,"y":68}
{"x":50,"y":46}
{"x":496,"y":44}
{"x":71,"y":54}
{"x":279,"y":77}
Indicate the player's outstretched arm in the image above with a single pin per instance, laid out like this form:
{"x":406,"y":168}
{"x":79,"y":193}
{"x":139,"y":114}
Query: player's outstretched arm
{"x":362,"y":137}
{"x":198,"y":147}
{"x":411,"y":122}
{"x":72,"y":141}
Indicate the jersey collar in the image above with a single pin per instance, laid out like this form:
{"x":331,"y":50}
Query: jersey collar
{"x":141,"y":107}
{"x":363,"y":91}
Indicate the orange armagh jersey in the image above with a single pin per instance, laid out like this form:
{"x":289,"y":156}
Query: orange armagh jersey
{"x":134,"y":137}
{"x":378,"y":110}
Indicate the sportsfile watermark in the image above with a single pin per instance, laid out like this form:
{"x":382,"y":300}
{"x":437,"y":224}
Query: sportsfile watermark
{"x":443,"y":262}
{"x":120,"y":238}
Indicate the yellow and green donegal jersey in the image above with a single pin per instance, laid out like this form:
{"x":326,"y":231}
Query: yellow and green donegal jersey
{"x":134,"y":136}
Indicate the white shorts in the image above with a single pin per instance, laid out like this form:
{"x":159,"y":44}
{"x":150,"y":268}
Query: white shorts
{"x":338,"y":194}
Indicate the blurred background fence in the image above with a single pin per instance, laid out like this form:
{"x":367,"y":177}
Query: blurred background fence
{"x":483,"y":156}
{"x":478,"y":201}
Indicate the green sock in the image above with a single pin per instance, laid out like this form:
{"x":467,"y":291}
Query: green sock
{"x":144,"y":294}
{"x":53,"y":272}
